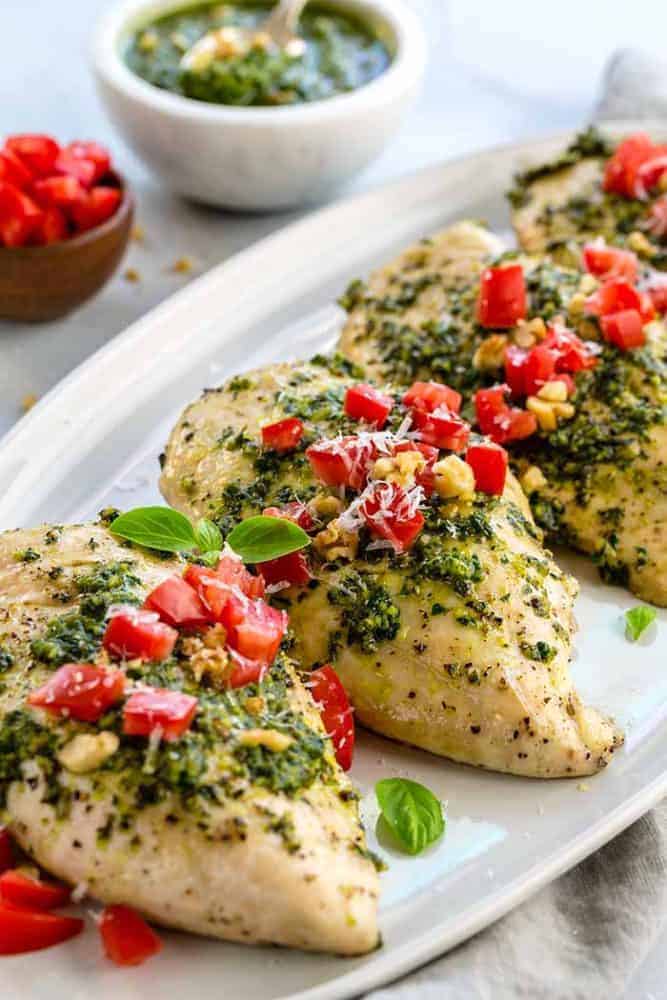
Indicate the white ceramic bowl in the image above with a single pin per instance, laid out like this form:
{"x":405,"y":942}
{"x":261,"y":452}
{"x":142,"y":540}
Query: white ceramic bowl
{"x":259,"y":158}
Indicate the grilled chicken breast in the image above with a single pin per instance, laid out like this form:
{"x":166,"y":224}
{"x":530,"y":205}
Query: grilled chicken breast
{"x":206,"y":834}
{"x":602,"y":482}
{"x":561,"y":204}
{"x":461,"y":645}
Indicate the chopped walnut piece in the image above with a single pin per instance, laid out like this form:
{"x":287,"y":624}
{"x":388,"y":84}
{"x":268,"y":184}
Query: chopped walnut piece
{"x":207,"y":656}
{"x":182,"y":265}
{"x":324,"y":506}
{"x":490,"y":354}
{"x":132,"y":275}
{"x":255,"y":706}
{"x":532,"y":479}
{"x":401,"y":469}
{"x":88,"y":751}
{"x":269,"y":738}
{"x":548,"y":413}
{"x":29,"y":401}
{"x":641,"y":244}
{"x":553,"y":392}
{"x":454,"y":478}
{"x":334,"y":542}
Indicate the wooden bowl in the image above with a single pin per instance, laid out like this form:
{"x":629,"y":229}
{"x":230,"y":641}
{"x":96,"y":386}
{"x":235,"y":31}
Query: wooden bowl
{"x":44,"y":283}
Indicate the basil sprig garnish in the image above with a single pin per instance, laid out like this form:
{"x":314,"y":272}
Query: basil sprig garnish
{"x":637,"y":620}
{"x":412,"y":813}
{"x":260,"y":538}
{"x":255,"y":540}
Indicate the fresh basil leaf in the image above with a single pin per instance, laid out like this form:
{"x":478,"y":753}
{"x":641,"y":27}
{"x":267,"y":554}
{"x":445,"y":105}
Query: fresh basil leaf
{"x":260,"y":538}
{"x":208,"y":535}
{"x":159,"y":528}
{"x":637,"y":620}
{"x":411,"y":811}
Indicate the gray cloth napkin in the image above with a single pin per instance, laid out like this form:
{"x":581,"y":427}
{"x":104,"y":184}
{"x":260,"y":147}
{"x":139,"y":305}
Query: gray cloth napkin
{"x":585,"y":936}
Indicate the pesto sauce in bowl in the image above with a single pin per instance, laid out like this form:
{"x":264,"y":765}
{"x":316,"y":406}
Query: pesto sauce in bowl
{"x":341,"y":54}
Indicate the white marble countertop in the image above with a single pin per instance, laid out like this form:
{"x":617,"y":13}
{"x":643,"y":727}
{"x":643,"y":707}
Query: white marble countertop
{"x":497,"y":72}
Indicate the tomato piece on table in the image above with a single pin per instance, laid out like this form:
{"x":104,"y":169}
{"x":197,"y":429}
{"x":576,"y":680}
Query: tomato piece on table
{"x":13,"y":170}
{"x":604,"y":261}
{"x":441,"y":428}
{"x":22,"y":890}
{"x":6,"y":849}
{"x":331,"y":698}
{"x":621,"y":168}
{"x":502,"y":296}
{"x":292,"y":569}
{"x":139,"y":635}
{"x":52,"y":227}
{"x":24,"y":930}
{"x":81,"y":691}
{"x":282,"y":436}
{"x":430,"y":396}
{"x":365,"y":402}
{"x":245,"y":671}
{"x":91,"y":152}
{"x":392,"y":513}
{"x":623,"y":329}
{"x":61,"y":191}
{"x":152,"y":708}
{"x":498,"y":420}
{"x":489,"y":463}
{"x":342,"y":462}
{"x":95,"y":207}
{"x":254,"y":628}
{"x":20,"y":217}
{"x":177,"y":604}
{"x":127,"y":938}
{"x":293,"y":511}
{"x":37,"y":152}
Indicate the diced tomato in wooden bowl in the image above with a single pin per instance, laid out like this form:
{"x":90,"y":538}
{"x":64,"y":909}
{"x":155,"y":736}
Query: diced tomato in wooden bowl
{"x":65,"y":221}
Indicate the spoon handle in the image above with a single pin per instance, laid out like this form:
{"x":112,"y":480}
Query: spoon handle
{"x":284,"y":18}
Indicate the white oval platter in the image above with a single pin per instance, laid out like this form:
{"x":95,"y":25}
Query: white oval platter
{"x":95,"y":441}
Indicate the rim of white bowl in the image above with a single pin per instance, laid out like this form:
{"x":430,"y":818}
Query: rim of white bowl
{"x":404,"y":71}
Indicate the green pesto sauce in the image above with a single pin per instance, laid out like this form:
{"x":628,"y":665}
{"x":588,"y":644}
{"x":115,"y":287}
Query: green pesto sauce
{"x":341,"y":55}
{"x":586,"y":144}
{"x":369,"y":615}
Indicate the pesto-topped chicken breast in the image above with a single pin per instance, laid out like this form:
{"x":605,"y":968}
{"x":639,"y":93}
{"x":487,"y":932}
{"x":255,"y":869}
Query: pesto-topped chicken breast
{"x":595,"y":189}
{"x":593,"y":448}
{"x":448,"y":622}
{"x":157,"y":783}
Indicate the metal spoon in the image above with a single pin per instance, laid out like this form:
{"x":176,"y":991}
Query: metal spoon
{"x":278,"y":30}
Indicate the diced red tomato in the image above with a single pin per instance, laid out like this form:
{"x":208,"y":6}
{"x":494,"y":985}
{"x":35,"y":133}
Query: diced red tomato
{"x":425,"y":478}
{"x":609,"y":262}
{"x":95,"y":207}
{"x":212,"y":590}
{"x":572,"y":354}
{"x":498,"y":420}
{"x":658,"y":295}
{"x":515,"y":361}
{"x":343,"y":462}
{"x":621,"y":169}
{"x":20,"y":217}
{"x":441,"y":428}
{"x":52,"y":227}
{"x":650,"y":172}
{"x":152,"y":708}
{"x":60,"y":191}
{"x":91,"y":152}
{"x":294,"y":511}
{"x":254,"y":628}
{"x":80,"y":691}
{"x":139,"y":635}
{"x":657,"y":218}
{"x":37,"y":152}
{"x":24,"y":930}
{"x":292,"y":569}
{"x":283,"y":435}
{"x":13,"y":170}
{"x":232,"y":571}
{"x":75,"y":166}
{"x":489,"y":463}
{"x":430,"y":396}
{"x":177,"y":604}
{"x":618,"y":295}
{"x":331,"y":698}
{"x":502,"y":296}
{"x":32,"y":893}
{"x":539,"y":367}
{"x":391,"y":512}
{"x":365,"y":402}
{"x":127,"y":938}
{"x":623,"y":329}
{"x":245,"y":671}
{"x":6,"y":850}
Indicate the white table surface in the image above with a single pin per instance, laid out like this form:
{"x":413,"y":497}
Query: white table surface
{"x":497,"y":72}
